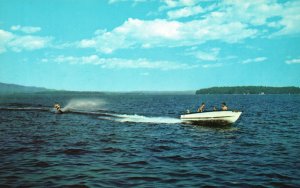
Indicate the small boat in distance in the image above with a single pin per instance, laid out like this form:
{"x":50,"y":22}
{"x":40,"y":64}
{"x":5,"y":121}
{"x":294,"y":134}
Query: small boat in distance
{"x":211,"y":118}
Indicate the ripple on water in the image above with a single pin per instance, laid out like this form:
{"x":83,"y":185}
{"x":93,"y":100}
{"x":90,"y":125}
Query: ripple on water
{"x":81,"y":143}
{"x":135,"y":164}
{"x":22,"y":149}
{"x":174,"y":158}
{"x":76,"y":186}
{"x":75,"y":151}
{"x":143,"y":178}
{"x":188,"y":174}
{"x":281,"y":184}
{"x":160,"y":148}
{"x":38,"y":141}
{"x":109,"y":150}
{"x":275,"y":176}
{"x":42,"y":164}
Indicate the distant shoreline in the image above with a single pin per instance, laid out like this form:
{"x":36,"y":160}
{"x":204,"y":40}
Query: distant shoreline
{"x":246,"y":90}
{"x":14,"y":89}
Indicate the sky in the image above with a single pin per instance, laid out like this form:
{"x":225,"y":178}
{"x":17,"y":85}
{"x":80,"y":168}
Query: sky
{"x":149,"y":45}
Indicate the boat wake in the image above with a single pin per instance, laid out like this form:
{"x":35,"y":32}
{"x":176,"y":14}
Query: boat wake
{"x":96,"y":108}
{"x":24,"y":108}
{"x":141,"y":119}
{"x":97,"y":113}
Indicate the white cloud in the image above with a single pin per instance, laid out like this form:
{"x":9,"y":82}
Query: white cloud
{"x":5,"y":37}
{"x":87,"y":43}
{"x":119,"y":63}
{"x":228,"y":21}
{"x":62,"y":45}
{"x":163,"y":33}
{"x":25,"y":29}
{"x":19,"y":43}
{"x":214,"y":65}
{"x":279,"y":18}
{"x":184,"y":12}
{"x":254,"y":60}
{"x":133,"y":32}
{"x":290,"y":21}
{"x":168,"y":4}
{"x":251,"y":12}
{"x":28,"y":42}
{"x":292,"y":61}
{"x":15,"y":27}
{"x":209,"y":55}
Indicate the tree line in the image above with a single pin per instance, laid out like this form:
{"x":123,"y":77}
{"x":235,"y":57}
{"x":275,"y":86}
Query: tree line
{"x":250,"y":90}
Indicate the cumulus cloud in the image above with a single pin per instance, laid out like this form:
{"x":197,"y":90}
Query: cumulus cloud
{"x":184,"y":12}
{"x":29,"y":42}
{"x":230,"y":21}
{"x":254,"y":60}
{"x":277,"y":18}
{"x":5,"y":37}
{"x":251,"y":12}
{"x":164,"y":33}
{"x":208,"y":55}
{"x":25,"y":29}
{"x":19,"y":43}
{"x":119,"y":63}
{"x":290,"y":19}
{"x":169,"y":4}
{"x":292,"y":61}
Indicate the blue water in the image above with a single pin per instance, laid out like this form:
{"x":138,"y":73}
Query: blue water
{"x":112,"y":140}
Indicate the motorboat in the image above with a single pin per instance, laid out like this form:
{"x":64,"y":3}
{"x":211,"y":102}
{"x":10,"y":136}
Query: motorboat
{"x":214,"y":117}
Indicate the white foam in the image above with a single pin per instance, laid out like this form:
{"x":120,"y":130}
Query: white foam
{"x":84,"y":104}
{"x":144,"y":119}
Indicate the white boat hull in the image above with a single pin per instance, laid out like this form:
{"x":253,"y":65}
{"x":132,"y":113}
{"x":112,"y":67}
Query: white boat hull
{"x":220,"y":117}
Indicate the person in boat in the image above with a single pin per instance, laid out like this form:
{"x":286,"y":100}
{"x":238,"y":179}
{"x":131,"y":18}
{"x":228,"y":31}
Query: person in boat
{"x":215,"y":109}
{"x":224,"y":106}
{"x":201,"y":108}
{"x":58,"y":108}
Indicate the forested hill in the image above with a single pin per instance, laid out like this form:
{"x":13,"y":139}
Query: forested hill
{"x":6,"y":89}
{"x":249,"y":90}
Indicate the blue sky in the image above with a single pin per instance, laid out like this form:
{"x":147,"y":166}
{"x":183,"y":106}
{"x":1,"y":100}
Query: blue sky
{"x":134,"y":45}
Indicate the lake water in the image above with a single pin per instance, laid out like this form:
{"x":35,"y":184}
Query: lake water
{"x":144,"y":143}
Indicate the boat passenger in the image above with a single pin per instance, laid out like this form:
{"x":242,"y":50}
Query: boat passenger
{"x":215,"y":109}
{"x":201,"y":108}
{"x":224,"y":107}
